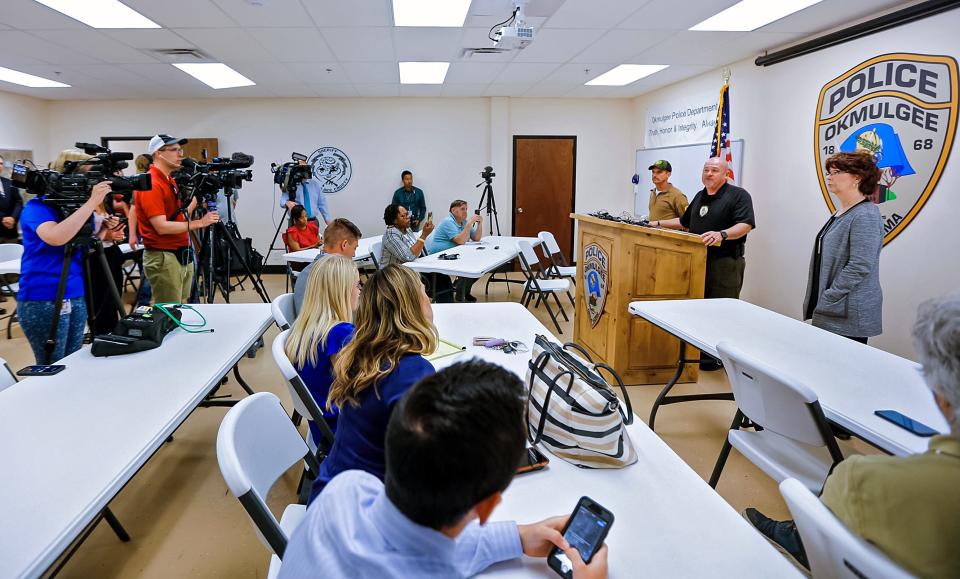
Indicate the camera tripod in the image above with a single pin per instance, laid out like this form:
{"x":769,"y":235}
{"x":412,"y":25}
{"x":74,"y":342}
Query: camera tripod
{"x":490,"y":205}
{"x":89,"y":244}
{"x":207,"y":282}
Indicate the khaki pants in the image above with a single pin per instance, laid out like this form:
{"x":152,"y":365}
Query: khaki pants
{"x":171,"y":280}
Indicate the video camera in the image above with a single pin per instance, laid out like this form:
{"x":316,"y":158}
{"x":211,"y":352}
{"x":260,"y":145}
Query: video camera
{"x":289,"y":175}
{"x":69,"y":190}
{"x":487,"y":174}
{"x":204,"y":180}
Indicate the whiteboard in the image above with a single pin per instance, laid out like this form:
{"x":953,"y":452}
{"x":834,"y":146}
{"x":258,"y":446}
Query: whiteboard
{"x":687,"y":162}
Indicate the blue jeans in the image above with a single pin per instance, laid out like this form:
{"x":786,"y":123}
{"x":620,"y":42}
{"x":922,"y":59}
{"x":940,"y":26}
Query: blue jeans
{"x":35,"y":317}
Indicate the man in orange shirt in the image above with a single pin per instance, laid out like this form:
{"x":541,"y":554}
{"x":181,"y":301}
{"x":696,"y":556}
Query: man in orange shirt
{"x":164,"y":225}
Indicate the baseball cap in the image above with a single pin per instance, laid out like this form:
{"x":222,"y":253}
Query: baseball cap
{"x":661,"y":164}
{"x":159,"y":141}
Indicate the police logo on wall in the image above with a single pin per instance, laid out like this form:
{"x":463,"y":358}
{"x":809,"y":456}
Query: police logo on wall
{"x":902,"y":108}
{"x":331,"y":167}
{"x":595,"y":267}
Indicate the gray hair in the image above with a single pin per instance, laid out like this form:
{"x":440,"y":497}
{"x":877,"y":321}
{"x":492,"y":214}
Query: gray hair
{"x":936,"y":337}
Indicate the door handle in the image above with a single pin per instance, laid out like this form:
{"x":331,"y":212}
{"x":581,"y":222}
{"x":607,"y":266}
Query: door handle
{"x":519,"y":209}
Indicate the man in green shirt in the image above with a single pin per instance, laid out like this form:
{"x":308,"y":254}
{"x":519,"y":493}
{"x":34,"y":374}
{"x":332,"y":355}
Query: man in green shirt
{"x":666,"y":201}
{"x":908,"y":507}
{"x":412,"y":199}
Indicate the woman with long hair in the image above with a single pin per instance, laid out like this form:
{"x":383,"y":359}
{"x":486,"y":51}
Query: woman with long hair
{"x":323,"y":327}
{"x":394,"y":330}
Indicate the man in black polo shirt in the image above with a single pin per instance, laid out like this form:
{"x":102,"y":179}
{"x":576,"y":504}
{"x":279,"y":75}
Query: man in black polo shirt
{"x":722,"y":214}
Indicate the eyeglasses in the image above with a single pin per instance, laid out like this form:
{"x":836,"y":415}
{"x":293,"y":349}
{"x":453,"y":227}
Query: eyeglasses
{"x":834,"y":172}
{"x":174,"y":150}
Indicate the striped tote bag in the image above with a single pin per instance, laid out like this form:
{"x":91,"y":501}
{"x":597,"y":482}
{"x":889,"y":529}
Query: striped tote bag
{"x":572,"y":409}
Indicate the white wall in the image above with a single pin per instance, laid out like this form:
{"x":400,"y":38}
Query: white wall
{"x":24,"y":125}
{"x":445,"y":142}
{"x":773,"y":110}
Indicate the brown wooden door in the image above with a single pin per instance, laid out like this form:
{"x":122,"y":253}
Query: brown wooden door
{"x":544,"y":187}
{"x":195,"y":148}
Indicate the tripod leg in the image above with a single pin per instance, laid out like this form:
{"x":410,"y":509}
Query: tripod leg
{"x":51,"y":344}
{"x":254,"y":279}
{"x":112,"y":289}
{"x":277,"y":234}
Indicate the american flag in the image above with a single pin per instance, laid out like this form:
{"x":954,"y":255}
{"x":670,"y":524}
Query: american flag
{"x":720,"y":146}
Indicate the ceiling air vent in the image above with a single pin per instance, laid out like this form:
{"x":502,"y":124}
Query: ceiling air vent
{"x":480,"y":51}
{"x":180,"y":54}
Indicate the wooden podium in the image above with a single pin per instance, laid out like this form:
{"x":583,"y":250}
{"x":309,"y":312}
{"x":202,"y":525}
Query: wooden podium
{"x":625,"y":263}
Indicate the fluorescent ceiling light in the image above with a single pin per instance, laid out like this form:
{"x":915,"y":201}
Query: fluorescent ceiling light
{"x":447,"y":13}
{"x":626,"y":74}
{"x":101,"y":13}
{"x":752,"y":14}
{"x":423,"y":72}
{"x":24,"y":79}
{"x":215,"y":74}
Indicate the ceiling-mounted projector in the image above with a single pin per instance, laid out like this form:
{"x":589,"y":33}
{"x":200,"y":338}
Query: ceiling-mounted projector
{"x":513,"y":34}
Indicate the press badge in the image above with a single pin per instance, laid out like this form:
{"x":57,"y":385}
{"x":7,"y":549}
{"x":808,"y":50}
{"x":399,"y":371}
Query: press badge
{"x":66,"y":308}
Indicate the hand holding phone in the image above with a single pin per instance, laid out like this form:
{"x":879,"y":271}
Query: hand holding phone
{"x":430,"y":217}
{"x":585,"y":531}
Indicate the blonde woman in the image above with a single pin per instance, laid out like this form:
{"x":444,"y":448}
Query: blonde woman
{"x":394,"y":330}
{"x":46,"y":232}
{"x":324,"y":327}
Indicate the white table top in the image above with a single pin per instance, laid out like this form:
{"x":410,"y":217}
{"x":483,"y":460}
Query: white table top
{"x":669,"y":522}
{"x":476,"y":258}
{"x":69,"y":442}
{"x":364,"y":247}
{"x":852,"y":380}
{"x":10,"y":266}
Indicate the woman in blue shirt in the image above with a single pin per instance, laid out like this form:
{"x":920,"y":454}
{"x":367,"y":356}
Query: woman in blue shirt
{"x":45,"y":233}
{"x":323,"y":328}
{"x":394,"y":330}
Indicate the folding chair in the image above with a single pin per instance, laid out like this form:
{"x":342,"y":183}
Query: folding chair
{"x":795,"y":440}
{"x":7,"y":377}
{"x":558,"y":263}
{"x":256,"y":444}
{"x":832,"y":550}
{"x":538,"y":285}
{"x":303,"y":402}
{"x":282,"y":309}
{"x":9,"y":252}
{"x":376,"y":254}
{"x":292,"y":274}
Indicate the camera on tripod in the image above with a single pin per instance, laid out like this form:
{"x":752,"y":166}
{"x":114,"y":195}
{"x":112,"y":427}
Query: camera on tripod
{"x":289,"y":175}
{"x":205,"y":180}
{"x":69,"y":190}
{"x":487,"y":174}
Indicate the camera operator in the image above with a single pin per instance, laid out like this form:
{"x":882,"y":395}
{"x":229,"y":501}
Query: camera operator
{"x":111,"y":231}
{"x":11,"y":204}
{"x":163,"y":225}
{"x":45,"y":234}
{"x":309,"y":194}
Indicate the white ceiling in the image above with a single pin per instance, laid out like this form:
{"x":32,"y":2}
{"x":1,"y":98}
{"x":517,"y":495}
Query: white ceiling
{"x":346,"y":48}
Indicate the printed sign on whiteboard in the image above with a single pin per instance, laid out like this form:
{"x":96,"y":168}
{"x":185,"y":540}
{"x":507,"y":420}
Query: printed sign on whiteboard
{"x":681,"y":121}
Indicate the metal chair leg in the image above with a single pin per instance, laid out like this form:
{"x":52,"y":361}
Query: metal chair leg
{"x":725,"y":451}
{"x":559,"y":305}
{"x":552,"y":316}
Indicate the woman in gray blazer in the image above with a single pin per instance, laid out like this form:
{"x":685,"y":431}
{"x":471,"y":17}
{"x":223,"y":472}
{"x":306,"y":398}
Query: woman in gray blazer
{"x":843,"y":288}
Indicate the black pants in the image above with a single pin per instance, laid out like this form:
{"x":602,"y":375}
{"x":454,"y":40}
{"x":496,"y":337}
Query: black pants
{"x":439,"y":287}
{"x":463,"y":286}
{"x":105,"y":311}
{"x":724,"y":279}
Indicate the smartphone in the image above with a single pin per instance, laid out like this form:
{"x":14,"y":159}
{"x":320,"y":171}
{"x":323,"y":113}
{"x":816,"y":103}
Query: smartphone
{"x":532,"y":460}
{"x":586,"y":530}
{"x":41,"y":370}
{"x":906,"y":423}
{"x":430,"y":217}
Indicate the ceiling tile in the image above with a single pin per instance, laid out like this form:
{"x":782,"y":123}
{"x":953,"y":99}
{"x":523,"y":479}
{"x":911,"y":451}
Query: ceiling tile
{"x":463,"y":90}
{"x":577,"y":73}
{"x":673,"y":15}
{"x":292,"y":90}
{"x":334,"y":90}
{"x":427,"y":44}
{"x":557,"y":45}
{"x":30,"y":15}
{"x":378,"y":90}
{"x":593,"y":14}
{"x":335,"y":13}
{"x":274,"y":13}
{"x":828,"y":14}
{"x":148,"y":38}
{"x":266,"y":72}
{"x":421,"y":90}
{"x":17,"y":42}
{"x":617,"y":46}
{"x":319,"y":73}
{"x":691,"y":47}
{"x":545,"y":89}
{"x":372,"y":72}
{"x":511,"y":90}
{"x":227,"y":44}
{"x":525,"y":72}
{"x":183,"y":13}
{"x":470,"y":72}
{"x":360,"y":44}
{"x":293,"y":44}
{"x":95,"y":44}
